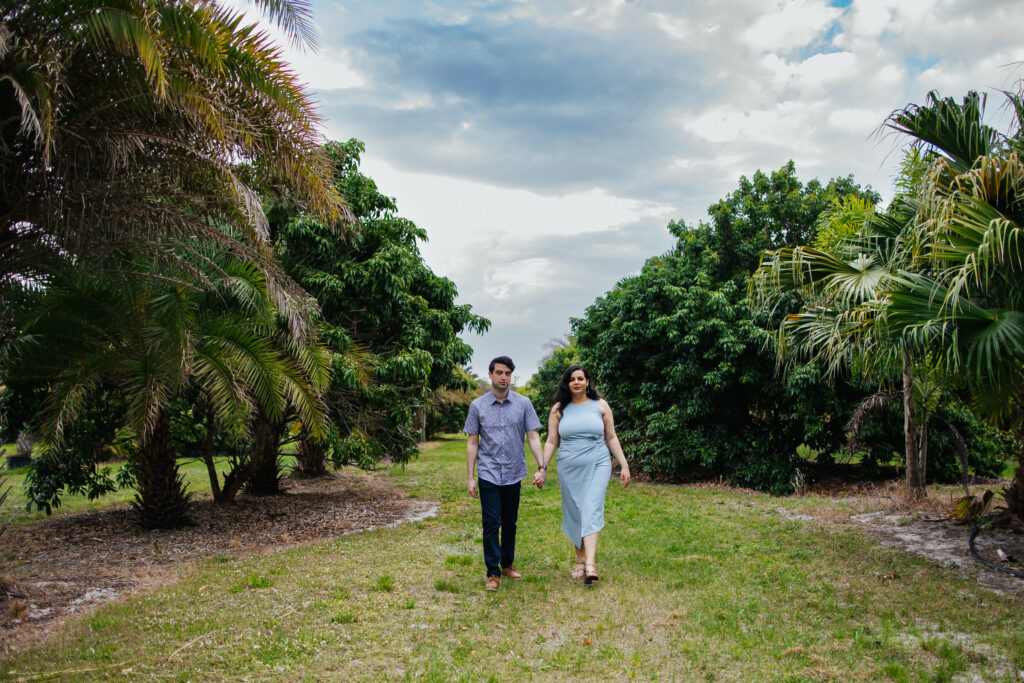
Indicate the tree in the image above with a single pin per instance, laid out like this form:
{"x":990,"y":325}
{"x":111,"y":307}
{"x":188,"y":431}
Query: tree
{"x":963,"y":298}
{"x":927,"y":285}
{"x":120,"y":126}
{"x":843,"y":283}
{"x":392,"y":325}
{"x":540,"y":388}
{"x":684,"y":361}
{"x":151,"y":338}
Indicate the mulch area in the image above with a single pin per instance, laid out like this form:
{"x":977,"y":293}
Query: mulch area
{"x":71,"y":563}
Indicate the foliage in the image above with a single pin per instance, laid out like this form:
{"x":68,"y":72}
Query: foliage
{"x":881,"y":441}
{"x":540,"y":388}
{"x":963,"y":298}
{"x":685,"y":363}
{"x":150,"y":338}
{"x":391,"y":324}
{"x":447,"y":407}
{"x":929,"y":290}
{"x":74,"y":467}
{"x":120,"y":124}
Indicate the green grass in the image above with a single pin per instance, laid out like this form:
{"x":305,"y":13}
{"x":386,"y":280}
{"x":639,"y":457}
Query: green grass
{"x":696,"y":584}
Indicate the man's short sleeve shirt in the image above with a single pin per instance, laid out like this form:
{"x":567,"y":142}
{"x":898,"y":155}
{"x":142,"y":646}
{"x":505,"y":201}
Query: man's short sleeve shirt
{"x":502,"y":426}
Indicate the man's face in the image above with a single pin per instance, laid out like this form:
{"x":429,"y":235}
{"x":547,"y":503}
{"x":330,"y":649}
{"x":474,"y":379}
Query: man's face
{"x":501,"y":376}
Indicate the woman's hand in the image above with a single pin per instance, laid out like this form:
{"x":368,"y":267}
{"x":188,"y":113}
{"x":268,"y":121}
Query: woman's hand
{"x":624,"y":475}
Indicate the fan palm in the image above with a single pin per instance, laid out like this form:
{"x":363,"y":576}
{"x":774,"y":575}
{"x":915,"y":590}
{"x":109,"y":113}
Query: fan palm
{"x":845,"y":282}
{"x":966,"y":296}
{"x":151,"y":337}
{"x":122,"y":124}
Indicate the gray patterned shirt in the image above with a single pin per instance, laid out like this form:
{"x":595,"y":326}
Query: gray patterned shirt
{"x":502,"y":425}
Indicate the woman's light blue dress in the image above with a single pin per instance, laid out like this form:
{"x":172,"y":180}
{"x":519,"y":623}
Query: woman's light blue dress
{"x":584,"y":468}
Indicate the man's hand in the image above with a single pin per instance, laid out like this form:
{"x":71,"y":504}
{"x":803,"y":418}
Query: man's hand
{"x":539,"y":477}
{"x":471,"y":487}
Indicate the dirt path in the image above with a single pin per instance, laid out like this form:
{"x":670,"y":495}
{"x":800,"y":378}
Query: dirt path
{"x":72,"y":563}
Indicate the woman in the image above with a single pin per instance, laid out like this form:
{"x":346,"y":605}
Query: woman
{"x":581,"y":427}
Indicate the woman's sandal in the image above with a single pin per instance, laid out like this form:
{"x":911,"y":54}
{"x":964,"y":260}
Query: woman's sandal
{"x":577,"y":571}
{"x":590,"y":574}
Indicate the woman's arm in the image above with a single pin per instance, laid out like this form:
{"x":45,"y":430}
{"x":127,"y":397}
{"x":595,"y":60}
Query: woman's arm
{"x":612,"y":439}
{"x":549,"y":447}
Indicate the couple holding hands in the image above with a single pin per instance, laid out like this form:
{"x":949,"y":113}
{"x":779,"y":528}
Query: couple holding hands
{"x":580,"y":428}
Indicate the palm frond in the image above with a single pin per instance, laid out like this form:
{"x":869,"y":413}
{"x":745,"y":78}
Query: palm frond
{"x":294,"y":17}
{"x":945,"y":127}
{"x":126,"y":32}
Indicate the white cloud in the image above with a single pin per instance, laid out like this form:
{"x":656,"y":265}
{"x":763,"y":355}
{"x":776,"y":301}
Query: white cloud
{"x":461,"y":215}
{"x":796,"y":24}
{"x":677,"y":28}
{"x":522,"y":278}
{"x":815,"y":71}
{"x":786,"y":123}
{"x":604,"y":14}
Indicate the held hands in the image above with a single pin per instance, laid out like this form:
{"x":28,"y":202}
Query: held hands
{"x":539,"y":477}
{"x":471,"y":487}
{"x":624,"y":475}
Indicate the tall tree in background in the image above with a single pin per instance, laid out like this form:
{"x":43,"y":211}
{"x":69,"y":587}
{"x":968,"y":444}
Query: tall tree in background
{"x":930,"y":290}
{"x":392,"y":324}
{"x":683,"y":359}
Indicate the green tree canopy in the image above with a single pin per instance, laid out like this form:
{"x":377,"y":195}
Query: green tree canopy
{"x":390,"y":321}
{"x":685,"y":363}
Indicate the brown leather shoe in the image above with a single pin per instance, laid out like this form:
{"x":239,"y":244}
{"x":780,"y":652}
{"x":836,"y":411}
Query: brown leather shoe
{"x":492,"y":583}
{"x":512,"y":573}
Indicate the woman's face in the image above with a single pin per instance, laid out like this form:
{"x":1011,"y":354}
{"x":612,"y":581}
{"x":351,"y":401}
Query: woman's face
{"x":577,"y":382}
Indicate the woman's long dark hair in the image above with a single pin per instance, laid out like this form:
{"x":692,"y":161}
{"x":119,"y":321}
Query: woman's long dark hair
{"x":562,"y":394}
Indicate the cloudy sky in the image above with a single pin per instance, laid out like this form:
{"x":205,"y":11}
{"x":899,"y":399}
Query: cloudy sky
{"x":545,"y":144}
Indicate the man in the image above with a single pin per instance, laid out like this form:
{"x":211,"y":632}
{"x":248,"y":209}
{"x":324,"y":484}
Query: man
{"x":496,"y":425}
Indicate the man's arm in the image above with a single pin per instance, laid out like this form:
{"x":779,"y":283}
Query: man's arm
{"x":533,"y":438}
{"x":472,"y":447}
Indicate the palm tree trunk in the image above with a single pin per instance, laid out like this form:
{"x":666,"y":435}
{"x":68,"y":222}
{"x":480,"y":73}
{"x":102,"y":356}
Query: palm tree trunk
{"x":915,"y":471}
{"x":265,"y":477}
{"x":309,"y":458}
{"x":1014,"y":494}
{"x":160,"y":500}
{"x":208,"y":456}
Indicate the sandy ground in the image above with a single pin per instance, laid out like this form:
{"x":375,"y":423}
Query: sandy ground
{"x":924,"y":528}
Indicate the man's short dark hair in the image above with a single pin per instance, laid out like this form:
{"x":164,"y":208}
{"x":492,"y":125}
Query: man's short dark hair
{"x":504,"y":360}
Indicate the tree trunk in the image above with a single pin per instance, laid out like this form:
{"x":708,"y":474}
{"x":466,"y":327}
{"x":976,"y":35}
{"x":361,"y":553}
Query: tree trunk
{"x":160,"y":501}
{"x":915,"y":468}
{"x":1014,"y":495}
{"x":309,"y":458}
{"x":208,"y":458}
{"x":265,"y":477}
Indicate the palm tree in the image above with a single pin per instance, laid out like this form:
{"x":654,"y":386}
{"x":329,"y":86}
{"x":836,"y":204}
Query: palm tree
{"x":965,"y":297}
{"x":151,"y":337}
{"x":121,"y":127}
{"x":845,"y":280}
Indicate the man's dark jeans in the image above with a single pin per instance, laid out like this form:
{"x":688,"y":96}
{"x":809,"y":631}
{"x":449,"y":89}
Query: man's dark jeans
{"x":499,"y":506}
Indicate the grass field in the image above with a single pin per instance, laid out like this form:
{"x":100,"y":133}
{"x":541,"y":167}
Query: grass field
{"x":697,"y":584}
